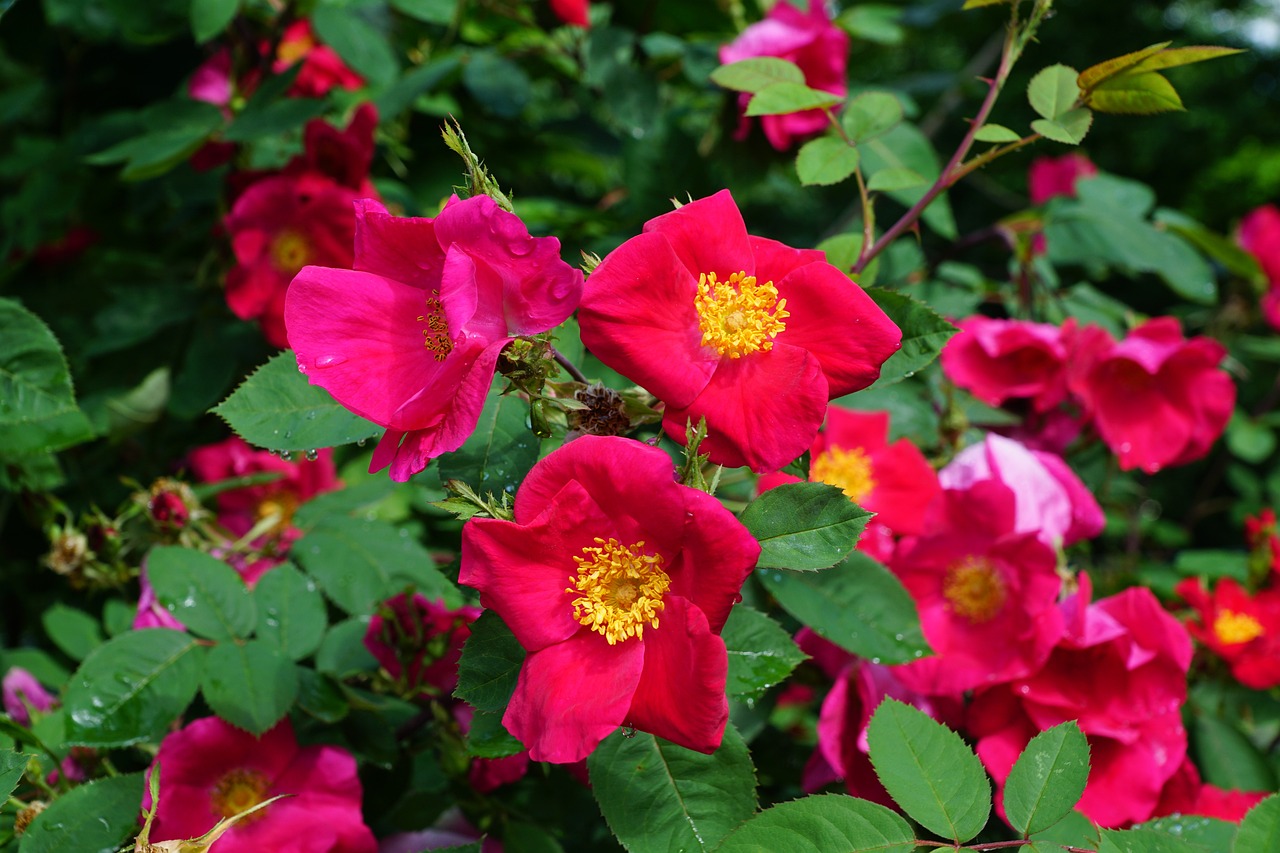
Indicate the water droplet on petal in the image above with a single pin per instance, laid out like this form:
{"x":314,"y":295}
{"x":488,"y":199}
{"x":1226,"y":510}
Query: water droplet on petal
{"x":330,"y":360}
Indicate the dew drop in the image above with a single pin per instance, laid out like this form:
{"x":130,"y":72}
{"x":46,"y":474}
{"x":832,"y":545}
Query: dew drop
{"x":361,"y":442}
{"x":330,"y":360}
{"x":286,"y":455}
{"x":313,"y":455}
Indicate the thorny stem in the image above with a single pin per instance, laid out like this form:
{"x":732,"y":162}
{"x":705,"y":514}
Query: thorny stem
{"x":1017,"y":37}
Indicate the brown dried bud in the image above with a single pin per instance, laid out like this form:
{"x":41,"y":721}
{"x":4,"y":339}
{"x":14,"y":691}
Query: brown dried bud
{"x":24,"y":818}
{"x":70,"y":551}
{"x":605,"y":412}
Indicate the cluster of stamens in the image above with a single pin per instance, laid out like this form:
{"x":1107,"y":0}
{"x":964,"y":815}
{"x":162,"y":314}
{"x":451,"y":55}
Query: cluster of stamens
{"x":1231,"y":627}
{"x":239,"y":791}
{"x":619,"y":589}
{"x":739,"y":316}
{"x":974,"y":589}
{"x":436,"y":334}
{"x":849,"y":470}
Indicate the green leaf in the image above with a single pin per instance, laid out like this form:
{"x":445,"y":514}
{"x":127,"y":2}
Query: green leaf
{"x":38,"y":409}
{"x":1070,"y":128}
{"x":361,"y":562}
{"x":978,"y":4}
{"x":887,"y":180}
{"x":211,"y":17}
{"x":205,"y":594}
{"x":1074,"y":830}
{"x":905,"y":147}
{"x":929,"y":771}
{"x":364,"y":48}
{"x":804,"y":526}
{"x":822,"y":824}
{"x":73,"y":631}
{"x":1227,"y":758}
{"x":12,"y":766}
{"x":490,"y":664}
{"x":499,"y":84}
{"x":1095,"y":74}
{"x":658,"y":797}
{"x":995,"y":133}
{"x":1249,"y":440}
{"x":859,"y":605}
{"x":784,"y":98}
{"x":1047,"y":780}
{"x":1053,"y":91}
{"x":291,"y":612}
{"x":321,"y":696}
{"x":924,"y":334}
{"x":276,"y":117}
{"x":499,"y":453}
{"x":1135,"y":94}
{"x":343,"y":653}
{"x":761,"y":653}
{"x":132,"y":687}
{"x":1140,"y":841}
{"x":873,"y":22}
{"x":488,"y":738}
{"x":870,"y":114}
{"x":1260,"y":829}
{"x":1203,"y":834}
{"x":439,"y":12}
{"x":250,"y":685}
{"x":92,"y":818}
{"x":276,"y":408}
{"x":825,"y":161}
{"x":752,"y":75}
{"x":175,"y":130}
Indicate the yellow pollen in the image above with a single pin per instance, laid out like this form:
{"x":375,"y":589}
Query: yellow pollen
{"x":281,"y":506}
{"x":739,"y":316}
{"x":436,"y":334}
{"x":292,"y":50}
{"x":290,"y":251}
{"x":1231,"y":627}
{"x":850,"y":470}
{"x":620,"y":589}
{"x":239,"y":791}
{"x":974,"y":589}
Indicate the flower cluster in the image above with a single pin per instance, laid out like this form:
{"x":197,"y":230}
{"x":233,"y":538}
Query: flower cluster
{"x":1259,"y":234}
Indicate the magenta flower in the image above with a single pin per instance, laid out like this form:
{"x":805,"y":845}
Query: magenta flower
{"x":1050,"y":177}
{"x":420,"y":641}
{"x":1050,"y":501}
{"x":617,"y":580}
{"x":24,"y":694}
{"x":410,"y":337}
{"x":811,"y":41}
{"x":211,"y":770}
{"x":753,"y":335}
{"x":1157,"y":399}
{"x":1000,"y":360}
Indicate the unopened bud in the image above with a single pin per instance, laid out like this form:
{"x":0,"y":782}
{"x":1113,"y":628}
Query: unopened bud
{"x":170,"y":503}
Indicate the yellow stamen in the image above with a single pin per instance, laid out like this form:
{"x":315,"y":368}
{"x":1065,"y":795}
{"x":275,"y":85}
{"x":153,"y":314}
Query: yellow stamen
{"x":850,"y":470}
{"x":239,"y":791}
{"x":974,"y":589}
{"x":1231,"y":627}
{"x":280,"y":506}
{"x":290,"y":251}
{"x":738,"y":317}
{"x":436,"y":334}
{"x":621,"y":589}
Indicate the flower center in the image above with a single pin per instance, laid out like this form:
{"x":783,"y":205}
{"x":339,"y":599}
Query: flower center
{"x":974,"y":589}
{"x":620,"y":589}
{"x":739,"y":316}
{"x":436,"y":332}
{"x":291,"y":50}
{"x":1231,"y":627}
{"x":290,"y":251}
{"x":281,"y":506}
{"x":849,"y":470}
{"x":239,"y":791}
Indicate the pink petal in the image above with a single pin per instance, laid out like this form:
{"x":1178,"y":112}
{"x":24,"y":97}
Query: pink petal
{"x":403,"y":248}
{"x":717,"y":556}
{"x":708,"y":236}
{"x":680,"y":696}
{"x":572,"y":695}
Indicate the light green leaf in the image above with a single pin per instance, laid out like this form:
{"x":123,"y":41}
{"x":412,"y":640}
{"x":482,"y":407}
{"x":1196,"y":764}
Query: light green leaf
{"x":804,"y":526}
{"x":761,"y":653}
{"x":995,"y":133}
{"x":1053,"y":91}
{"x":658,"y":797}
{"x":1047,"y":780}
{"x":752,"y":75}
{"x":73,"y":631}
{"x":38,"y":409}
{"x":291,"y":613}
{"x":859,"y":605}
{"x":250,"y":685}
{"x":825,"y":161}
{"x":1135,"y":94}
{"x":1202,"y":834}
{"x":785,"y":98}
{"x":873,"y":22}
{"x":1070,"y":128}
{"x":1095,"y":74}
{"x":929,"y":771}
{"x":91,"y":818}
{"x":870,"y":114}
{"x":1260,"y":829}
{"x":823,"y":824}
{"x":887,"y":180}
{"x":905,"y":147}
{"x":205,"y":594}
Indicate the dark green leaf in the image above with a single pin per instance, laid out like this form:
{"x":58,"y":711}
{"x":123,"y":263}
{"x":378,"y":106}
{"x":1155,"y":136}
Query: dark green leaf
{"x":761,"y":653}
{"x":278,"y":409}
{"x":175,"y":130}
{"x":859,"y":605}
{"x":38,"y":409}
{"x":211,"y":17}
{"x":361,"y":562}
{"x":359,"y":44}
{"x":1046,"y":782}
{"x":924,"y":334}
{"x":291,"y":612}
{"x":320,"y":696}
{"x":1053,"y":91}
{"x":752,"y":75}
{"x":823,"y":824}
{"x":92,"y":818}
{"x":929,"y":771}
{"x":1141,"y":841}
{"x":1075,"y":830}
{"x":785,"y":98}
{"x":205,"y":594}
{"x":1203,"y":834}
{"x":870,"y":114}
{"x":658,"y":797}
{"x":1249,"y":440}
{"x":500,"y":452}
{"x":1227,"y":758}
{"x":905,"y":147}
{"x":431,"y":11}
{"x":250,"y":685}
{"x":487,"y":737}
{"x":132,"y":687}
{"x":278,"y":117}
{"x":490,"y":664}
{"x":73,"y":631}
{"x":343,"y":651}
{"x":498,"y":83}
{"x":825,"y":161}
{"x":804,"y":526}
{"x":1260,"y":829}
{"x":12,"y":766}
